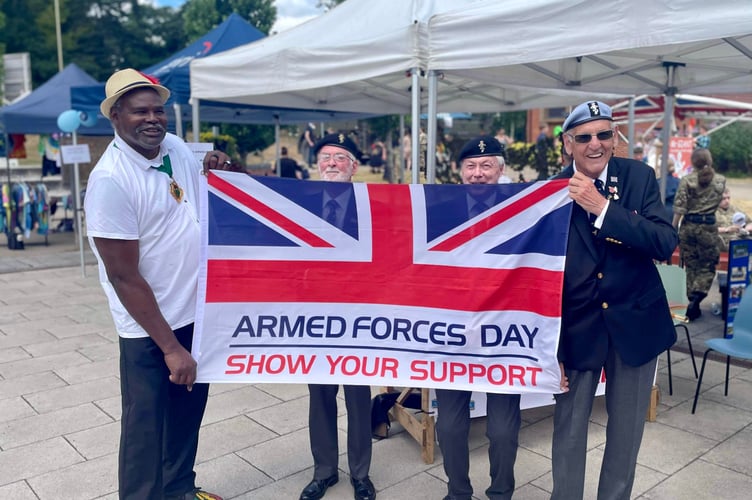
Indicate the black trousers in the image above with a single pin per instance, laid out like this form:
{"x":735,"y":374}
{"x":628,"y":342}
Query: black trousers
{"x":322,"y":429}
{"x":502,"y":429}
{"x":160,"y":423}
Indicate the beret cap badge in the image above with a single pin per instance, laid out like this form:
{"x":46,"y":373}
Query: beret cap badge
{"x":485,"y":145}
{"x":587,"y":112}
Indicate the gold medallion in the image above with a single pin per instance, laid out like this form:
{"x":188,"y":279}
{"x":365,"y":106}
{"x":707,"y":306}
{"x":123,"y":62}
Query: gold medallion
{"x":176,"y":191}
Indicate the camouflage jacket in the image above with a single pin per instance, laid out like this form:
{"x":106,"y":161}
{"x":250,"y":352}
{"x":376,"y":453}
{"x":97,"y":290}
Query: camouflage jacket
{"x":692,"y":199}
{"x":723,"y":220}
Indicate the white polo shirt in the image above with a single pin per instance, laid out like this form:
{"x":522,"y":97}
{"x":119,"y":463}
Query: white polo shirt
{"x":126,"y":199}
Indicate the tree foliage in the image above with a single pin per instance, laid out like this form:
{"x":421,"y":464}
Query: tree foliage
{"x":200,"y":16}
{"x":250,"y":138}
{"x":731,"y":148}
{"x":102,"y":36}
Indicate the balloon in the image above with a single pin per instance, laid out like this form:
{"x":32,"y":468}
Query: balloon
{"x":69,"y":121}
{"x":88,"y":118}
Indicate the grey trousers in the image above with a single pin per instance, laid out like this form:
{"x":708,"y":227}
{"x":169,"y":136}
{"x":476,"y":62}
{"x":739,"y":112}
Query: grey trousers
{"x":322,"y":429}
{"x":628,"y":391}
{"x":502,"y":429}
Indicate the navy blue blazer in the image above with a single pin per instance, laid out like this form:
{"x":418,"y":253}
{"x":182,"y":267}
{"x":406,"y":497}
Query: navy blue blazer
{"x":613,"y":293}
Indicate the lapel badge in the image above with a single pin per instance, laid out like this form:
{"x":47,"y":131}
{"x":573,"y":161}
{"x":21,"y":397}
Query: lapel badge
{"x":482,"y":146}
{"x":613,"y":192}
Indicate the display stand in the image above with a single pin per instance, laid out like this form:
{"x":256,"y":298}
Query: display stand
{"x":738,"y":278}
{"x":421,"y":427}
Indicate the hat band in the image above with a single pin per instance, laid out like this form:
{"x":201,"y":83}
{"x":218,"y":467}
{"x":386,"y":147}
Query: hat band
{"x":142,"y":83}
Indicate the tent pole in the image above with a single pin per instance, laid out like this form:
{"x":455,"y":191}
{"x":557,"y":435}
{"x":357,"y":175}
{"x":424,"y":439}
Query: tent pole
{"x":7,"y":157}
{"x":715,"y":101}
{"x":277,"y":146}
{"x":732,"y":120}
{"x":630,"y":126}
{"x":78,"y":208}
{"x":402,"y":164}
{"x":196,"y":126}
{"x":415,"y":90}
{"x":178,"y":120}
{"x":431,"y":126}
{"x":668,"y":116}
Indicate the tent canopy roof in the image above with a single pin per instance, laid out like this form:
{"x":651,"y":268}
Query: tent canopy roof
{"x":37,"y":112}
{"x":491,"y":55}
{"x":174,"y":72}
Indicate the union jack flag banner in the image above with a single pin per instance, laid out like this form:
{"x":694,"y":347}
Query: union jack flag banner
{"x":397,"y":285}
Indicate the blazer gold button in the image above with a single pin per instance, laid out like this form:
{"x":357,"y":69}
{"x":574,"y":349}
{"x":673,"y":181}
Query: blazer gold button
{"x":604,"y":305}
{"x":600,"y":276}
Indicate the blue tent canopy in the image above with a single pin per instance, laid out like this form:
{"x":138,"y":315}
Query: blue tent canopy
{"x":37,"y":112}
{"x":174,"y":73}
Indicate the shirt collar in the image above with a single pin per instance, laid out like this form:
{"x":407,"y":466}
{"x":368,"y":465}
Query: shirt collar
{"x":343,"y":198}
{"x":135,"y":158}
{"x":603,"y":176}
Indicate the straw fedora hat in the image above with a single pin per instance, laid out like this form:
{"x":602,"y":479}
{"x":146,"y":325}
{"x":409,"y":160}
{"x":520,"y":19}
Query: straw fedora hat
{"x":125,"y":80}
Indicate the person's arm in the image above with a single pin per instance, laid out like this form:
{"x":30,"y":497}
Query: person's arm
{"x":120,"y":259}
{"x":644,"y":225}
{"x":676,"y":220}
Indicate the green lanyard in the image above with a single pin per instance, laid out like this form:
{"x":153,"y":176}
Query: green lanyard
{"x":175,"y":190}
{"x":166,"y":166}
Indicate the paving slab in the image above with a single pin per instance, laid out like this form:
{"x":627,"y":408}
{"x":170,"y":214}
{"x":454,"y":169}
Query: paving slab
{"x":60,"y":411}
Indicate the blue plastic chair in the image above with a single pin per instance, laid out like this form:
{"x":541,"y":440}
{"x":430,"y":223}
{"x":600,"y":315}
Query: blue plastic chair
{"x":739,"y":346}
{"x":674,"y":280}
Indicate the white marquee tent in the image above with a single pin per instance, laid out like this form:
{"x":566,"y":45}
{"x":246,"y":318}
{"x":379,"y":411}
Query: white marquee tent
{"x":487,"y":55}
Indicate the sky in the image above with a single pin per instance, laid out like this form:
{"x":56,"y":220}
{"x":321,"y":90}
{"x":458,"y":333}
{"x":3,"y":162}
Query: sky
{"x":289,"y":12}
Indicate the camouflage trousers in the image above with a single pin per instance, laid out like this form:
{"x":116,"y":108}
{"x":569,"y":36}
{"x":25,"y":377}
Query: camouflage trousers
{"x":699,"y":249}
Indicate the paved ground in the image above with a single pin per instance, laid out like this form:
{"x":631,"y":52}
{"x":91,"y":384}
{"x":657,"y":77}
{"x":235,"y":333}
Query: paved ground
{"x":59,"y":412}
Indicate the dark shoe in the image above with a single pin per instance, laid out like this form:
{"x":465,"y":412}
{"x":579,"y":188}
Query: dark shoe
{"x":197,"y":494}
{"x":693,"y":310}
{"x":363,"y":488}
{"x":317,"y":488}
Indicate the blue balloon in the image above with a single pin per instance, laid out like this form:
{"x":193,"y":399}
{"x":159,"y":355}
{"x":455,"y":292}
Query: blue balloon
{"x":88,"y":118}
{"x":69,"y":121}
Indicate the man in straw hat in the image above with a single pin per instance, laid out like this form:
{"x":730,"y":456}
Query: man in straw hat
{"x":142,"y":219}
{"x":614,"y":313}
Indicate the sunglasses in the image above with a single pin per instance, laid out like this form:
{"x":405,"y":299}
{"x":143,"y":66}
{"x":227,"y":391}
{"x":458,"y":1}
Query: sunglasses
{"x":586,"y":138}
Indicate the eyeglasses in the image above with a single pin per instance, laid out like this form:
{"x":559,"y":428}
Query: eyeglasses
{"x":338,"y":157}
{"x":484,"y":167}
{"x":604,"y":135}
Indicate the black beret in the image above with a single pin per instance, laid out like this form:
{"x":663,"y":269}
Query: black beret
{"x":341,"y":141}
{"x":587,"y":112}
{"x":485,"y":145}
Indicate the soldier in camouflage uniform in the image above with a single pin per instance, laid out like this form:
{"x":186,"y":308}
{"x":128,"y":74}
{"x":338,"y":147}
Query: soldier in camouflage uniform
{"x":727,"y":230}
{"x":695,"y":203}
